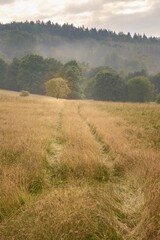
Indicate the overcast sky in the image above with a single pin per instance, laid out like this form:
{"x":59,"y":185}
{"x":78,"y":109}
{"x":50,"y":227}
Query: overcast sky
{"x":141,"y":16}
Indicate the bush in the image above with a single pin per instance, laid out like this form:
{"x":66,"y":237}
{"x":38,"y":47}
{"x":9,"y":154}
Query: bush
{"x":24,"y":93}
{"x":158,"y":99}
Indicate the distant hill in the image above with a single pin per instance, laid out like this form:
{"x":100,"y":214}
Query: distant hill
{"x":64,"y":42}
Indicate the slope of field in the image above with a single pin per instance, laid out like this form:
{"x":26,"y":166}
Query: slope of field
{"x":81,"y":170}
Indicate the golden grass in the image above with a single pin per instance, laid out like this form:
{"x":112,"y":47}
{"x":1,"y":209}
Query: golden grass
{"x":138,"y":157}
{"x":81,"y":156}
{"x":78,"y":169}
{"x":26,"y":126}
{"x":68,"y":213}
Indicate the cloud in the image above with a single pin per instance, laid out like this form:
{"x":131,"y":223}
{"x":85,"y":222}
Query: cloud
{"x":143,"y":20}
{"x":139,"y":16}
{"x":99,"y":5}
{"x":89,"y":6}
{"x":4,"y":2}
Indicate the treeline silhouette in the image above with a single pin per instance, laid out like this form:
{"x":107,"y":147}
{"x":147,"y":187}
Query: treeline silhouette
{"x":71,"y":32}
{"x":96,"y":47}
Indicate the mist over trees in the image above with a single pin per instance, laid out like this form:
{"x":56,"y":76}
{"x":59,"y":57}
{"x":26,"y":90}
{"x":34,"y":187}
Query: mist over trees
{"x":119,"y":51}
{"x":32,"y":73}
{"x":95,"y":64}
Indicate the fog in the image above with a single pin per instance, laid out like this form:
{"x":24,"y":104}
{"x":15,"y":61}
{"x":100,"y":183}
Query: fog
{"x":127,"y":57}
{"x":121,"y":56}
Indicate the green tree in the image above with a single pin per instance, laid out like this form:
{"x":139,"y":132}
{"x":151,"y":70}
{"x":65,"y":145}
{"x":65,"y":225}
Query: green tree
{"x":72,"y":73}
{"x":73,"y":63}
{"x":89,"y":89}
{"x":143,"y":73}
{"x":31,"y":73}
{"x":156,"y":82}
{"x":11,"y":76}
{"x":57,"y":87}
{"x":52,"y":67}
{"x":94,"y":71}
{"x":139,"y":89}
{"x":3,"y":72}
{"x":108,"y":87}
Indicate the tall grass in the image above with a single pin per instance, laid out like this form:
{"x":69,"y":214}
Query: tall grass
{"x":67,"y":213}
{"x":132,"y":133}
{"x":81,"y":156}
{"x":26,"y":127}
{"x":78,"y":170}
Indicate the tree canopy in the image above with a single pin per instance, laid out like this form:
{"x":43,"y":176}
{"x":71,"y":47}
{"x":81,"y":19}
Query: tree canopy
{"x":72,"y":73}
{"x":31,"y":73}
{"x":156,"y":82}
{"x":108,"y":86}
{"x":11,"y":75}
{"x":57,"y":87}
{"x":3,"y":70}
{"x":139,"y":89}
{"x":72,"y":32}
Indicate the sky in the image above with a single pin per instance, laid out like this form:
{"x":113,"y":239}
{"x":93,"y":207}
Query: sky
{"x":140,"y":16}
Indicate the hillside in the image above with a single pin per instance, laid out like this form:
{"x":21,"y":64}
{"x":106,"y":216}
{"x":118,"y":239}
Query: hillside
{"x":81,"y":170}
{"x":100,"y":47}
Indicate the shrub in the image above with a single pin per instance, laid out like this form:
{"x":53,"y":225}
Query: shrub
{"x":24,"y":93}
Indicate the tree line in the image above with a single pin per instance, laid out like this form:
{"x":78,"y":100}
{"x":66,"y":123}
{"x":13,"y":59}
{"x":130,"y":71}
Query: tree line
{"x":31,"y":72}
{"x":70,"y":31}
{"x":95,"y":46}
{"x":76,"y":80}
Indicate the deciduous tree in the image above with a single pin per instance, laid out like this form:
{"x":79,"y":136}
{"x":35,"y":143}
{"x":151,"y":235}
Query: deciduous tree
{"x":31,"y":73}
{"x":73,"y":74}
{"x":108,"y":87}
{"x":139,"y":89}
{"x":57,"y":87}
{"x":3,"y":71}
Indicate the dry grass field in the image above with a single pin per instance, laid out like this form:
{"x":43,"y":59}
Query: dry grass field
{"x":78,"y":170}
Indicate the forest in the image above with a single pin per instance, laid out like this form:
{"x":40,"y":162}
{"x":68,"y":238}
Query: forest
{"x":31,"y":72}
{"x":96,"y":47}
{"x":96,"y":64}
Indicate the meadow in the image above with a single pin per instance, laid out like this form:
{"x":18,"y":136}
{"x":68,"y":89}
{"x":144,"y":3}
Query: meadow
{"x":81,"y":170}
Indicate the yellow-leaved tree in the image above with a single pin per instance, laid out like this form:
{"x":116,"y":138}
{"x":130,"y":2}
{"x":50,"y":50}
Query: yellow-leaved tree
{"x":57,"y":87}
